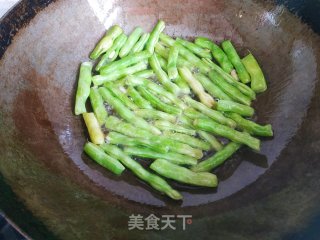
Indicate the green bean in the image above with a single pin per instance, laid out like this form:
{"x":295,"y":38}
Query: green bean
{"x":117,"y":45}
{"x":172,"y":62}
{"x":128,"y":129}
{"x":182,"y":84}
{"x":138,"y":99}
{"x":230,"y":106}
{"x":161,"y":97}
{"x":154,"y":36}
{"x":83,"y":89}
{"x":94,"y":130}
{"x":123,"y":97}
{"x":101,"y":79}
{"x":215,"y":115}
{"x":184,"y":175}
{"x":167,"y":126}
{"x":217,"y":53}
{"x":258,"y":82}
{"x":139,"y":46}
{"x":251,"y":127}
{"x":212,"y":140}
{"x":224,"y":131}
{"x":106,"y":42}
{"x":163,"y":52}
{"x":166,"y":39}
{"x":182,"y":62}
{"x":217,"y":159}
{"x":156,"y":182}
{"x":118,"y":83}
{"x":162,"y":76}
{"x":131,"y":41}
{"x":115,"y":124}
{"x":163,"y":62}
{"x":185,"y":53}
{"x":124,"y":62}
{"x":170,"y":156}
{"x":136,"y":81}
{"x":151,"y":114}
{"x":112,"y":53}
{"x":97,"y":105}
{"x":157,"y":103}
{"x":196,"y":86}
{"x":179,"y":147}
{"x":170,"y":103}
{"x":184,"y":138}
{"x":204,"y":53}
{"x":148,"y":73}
{"x":98,"y":155}
{"x":193,"y":59}
{"x":234,"y":74}
{"x":236,"y":61}
{"x":184,"y":121}
{"x":118,"y":138}
{"x":193,"y":114}
{"x":125,"y":113}
{"x":211,"y":88}
{"x":228,"y":78}
{"x":229,"y":89}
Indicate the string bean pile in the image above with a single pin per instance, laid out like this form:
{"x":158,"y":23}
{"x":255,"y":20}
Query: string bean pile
{"x":185,"y":106}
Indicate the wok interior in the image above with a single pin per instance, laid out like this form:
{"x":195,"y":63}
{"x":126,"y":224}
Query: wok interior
{"x":42,"y":140}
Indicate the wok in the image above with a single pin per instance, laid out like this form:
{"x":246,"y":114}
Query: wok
{"x":51,"y":190}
